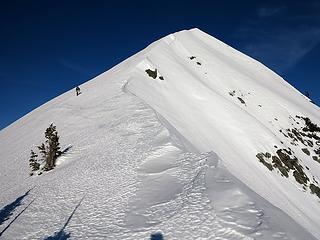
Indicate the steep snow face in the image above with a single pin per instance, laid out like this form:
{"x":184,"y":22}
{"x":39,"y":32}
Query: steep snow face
{"x":160,"y":142}
{"x":220,"y":100}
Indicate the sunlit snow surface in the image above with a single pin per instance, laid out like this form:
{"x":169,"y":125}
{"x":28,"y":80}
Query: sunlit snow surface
{"x":176,"y":155}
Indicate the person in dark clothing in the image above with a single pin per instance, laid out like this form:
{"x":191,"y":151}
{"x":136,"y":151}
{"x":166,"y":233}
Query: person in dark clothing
{"x":78,"y":91}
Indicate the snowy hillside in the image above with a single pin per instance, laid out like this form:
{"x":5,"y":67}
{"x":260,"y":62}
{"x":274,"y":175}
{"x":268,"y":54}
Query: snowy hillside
{"x":188,"y":137}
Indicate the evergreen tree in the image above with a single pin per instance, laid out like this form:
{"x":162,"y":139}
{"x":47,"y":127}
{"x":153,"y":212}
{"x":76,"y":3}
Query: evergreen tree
{"x":43,"y":150}
{"x":50,"y":150}
{"x":33,"y":162}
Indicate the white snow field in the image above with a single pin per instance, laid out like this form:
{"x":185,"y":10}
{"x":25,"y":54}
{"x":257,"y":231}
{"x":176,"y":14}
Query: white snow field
{"x":188,"y":138}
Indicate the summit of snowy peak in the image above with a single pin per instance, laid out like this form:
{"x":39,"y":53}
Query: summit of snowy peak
{"x":187,"y":139}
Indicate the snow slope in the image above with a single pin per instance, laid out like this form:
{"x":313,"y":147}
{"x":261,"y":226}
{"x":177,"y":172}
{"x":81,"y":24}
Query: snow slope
{"x":175,"y":153}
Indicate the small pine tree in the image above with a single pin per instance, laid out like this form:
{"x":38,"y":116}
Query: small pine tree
{"x":51,"y":149}
{"x":43,"y":150}
{"x":33,"y":162}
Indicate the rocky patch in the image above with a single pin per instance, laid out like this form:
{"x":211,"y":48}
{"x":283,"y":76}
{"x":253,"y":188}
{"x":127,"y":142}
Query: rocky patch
{"x":152,"y":74}
{"x":284,"y":161}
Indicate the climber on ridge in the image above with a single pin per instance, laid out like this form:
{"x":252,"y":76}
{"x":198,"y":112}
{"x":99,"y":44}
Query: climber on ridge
{"x":78,"y":92}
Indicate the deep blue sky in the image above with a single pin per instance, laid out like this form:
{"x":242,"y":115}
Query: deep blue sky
{"x":48,"y":47}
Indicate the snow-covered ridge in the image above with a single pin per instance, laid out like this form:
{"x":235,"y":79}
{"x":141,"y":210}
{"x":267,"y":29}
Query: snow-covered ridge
{"x":221,"y":100}
{"x":161,"y":141}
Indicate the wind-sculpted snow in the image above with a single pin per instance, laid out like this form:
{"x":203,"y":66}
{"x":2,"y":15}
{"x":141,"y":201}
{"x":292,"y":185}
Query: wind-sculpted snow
{"x":219,"y":99}
{"x":168,"y":152}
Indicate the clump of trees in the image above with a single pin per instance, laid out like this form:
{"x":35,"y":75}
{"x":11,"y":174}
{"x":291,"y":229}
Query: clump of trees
{"x":49,"y":151}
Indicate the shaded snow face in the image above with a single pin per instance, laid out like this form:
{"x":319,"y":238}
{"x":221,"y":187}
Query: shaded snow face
{"x":166,"y":142}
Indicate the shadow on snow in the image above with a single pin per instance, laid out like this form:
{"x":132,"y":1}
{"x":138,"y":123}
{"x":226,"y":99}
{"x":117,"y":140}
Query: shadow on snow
{"x":8,"y":210}
{"x":66,"y":150}
{"x":62,"y":235}
{"x":156,"y":236}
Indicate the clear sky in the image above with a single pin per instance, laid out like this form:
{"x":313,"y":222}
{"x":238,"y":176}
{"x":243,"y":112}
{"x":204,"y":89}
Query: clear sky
{"x":48,"y":47}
